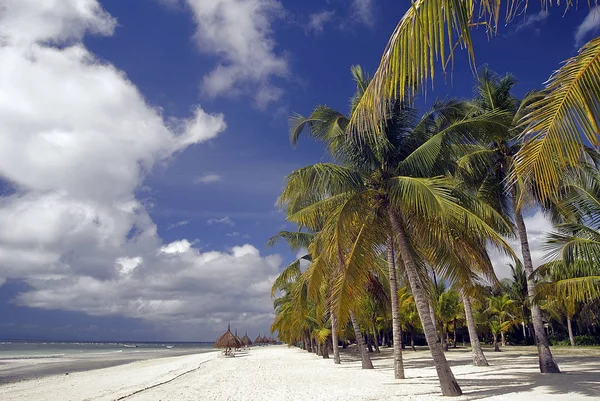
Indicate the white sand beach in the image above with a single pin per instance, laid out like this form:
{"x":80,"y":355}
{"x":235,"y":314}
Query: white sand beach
{"x":282,"y":373}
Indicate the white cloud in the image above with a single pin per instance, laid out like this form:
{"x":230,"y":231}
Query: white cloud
{"x":239,"y":33}
{"x":77,"y":139}
{"x":208,"y":179}
{"x":317,"y":21}
{"x":363,"y":11}
{"x":590,"y":24}
{"x":190,"y":290}
{"x":530,"y":20}
{"x":180,"y":246}
{"x":178,"y":224}
{"x":538,"y":226}
{"x":225,"y":221}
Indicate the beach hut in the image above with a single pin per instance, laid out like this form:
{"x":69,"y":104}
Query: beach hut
{"x":246,"y":340}
{"x":272,"y":340}
{"x":228,"y":342}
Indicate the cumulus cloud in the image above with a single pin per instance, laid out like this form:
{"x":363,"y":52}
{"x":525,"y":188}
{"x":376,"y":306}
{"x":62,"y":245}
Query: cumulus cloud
{"x":239,"y":33}
{"x":208,"y":179}
{"x":317,"y":21}
{"x":77,"y":139}
{"x":590,"y":24}
{"x":538,"y":226}
{"x":226,"y":221}
{"x":179,"y":286}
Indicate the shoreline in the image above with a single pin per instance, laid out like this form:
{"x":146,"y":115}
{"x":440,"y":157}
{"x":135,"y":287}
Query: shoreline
{"x":24,"y":368}
{"x":282,"y":373}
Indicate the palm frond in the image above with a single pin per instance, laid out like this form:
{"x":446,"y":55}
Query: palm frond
{"x":557,"y":124}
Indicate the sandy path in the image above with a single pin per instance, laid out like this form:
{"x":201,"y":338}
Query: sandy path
{"x":280,"y":373}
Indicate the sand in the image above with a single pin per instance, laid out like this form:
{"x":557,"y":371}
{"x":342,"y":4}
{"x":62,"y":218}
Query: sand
{"x":282,"y":373}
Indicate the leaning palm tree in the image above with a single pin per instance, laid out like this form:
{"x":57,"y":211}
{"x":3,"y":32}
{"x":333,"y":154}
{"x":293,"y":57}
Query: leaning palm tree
{"x":392,"y":186}
{"x":432,"y":30}
{"x":485,"y":168}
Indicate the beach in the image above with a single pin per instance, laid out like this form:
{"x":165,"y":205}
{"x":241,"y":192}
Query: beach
{"x":282,"y":373}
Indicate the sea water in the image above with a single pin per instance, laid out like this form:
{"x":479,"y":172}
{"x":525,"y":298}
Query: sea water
{"x":58,"y":349}
{"x":22,"y":360}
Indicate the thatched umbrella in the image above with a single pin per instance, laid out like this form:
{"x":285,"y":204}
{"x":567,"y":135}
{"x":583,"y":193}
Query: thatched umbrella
{"x":258,"y":340}
{"x":272,"y":340}
{"x":239,"y":339}
{"x":227,"y":341}
{"x":246,"y":340}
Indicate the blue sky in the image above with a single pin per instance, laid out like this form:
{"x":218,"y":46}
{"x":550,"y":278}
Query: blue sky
{"x":143,"y":145}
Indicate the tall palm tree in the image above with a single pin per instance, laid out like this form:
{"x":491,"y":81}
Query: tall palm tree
{"x":391,"y":186}
{"x":431,"y":30}
{"x":486,"y":167}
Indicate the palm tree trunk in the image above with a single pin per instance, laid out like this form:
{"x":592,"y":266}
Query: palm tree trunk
{"x":319,"y":349}
{"x":369,"y":342}
{"x":496,"y":348}
{"x":444,"y":338}
{"x":546,"y":361}
{"x":503,"y":339}
{"x":308,"y":343}
{"x":396,"y":329}
{"x":478,"y":356}
{"x":412,"y":338}
{"x":325,"y":349}
{"x":360,"y":342}
{"x":454,"y":327}
{"x":376,"y":341}
{"x":570,"y":328}
{"x":334,"y":337}
{"x":447,"y":381}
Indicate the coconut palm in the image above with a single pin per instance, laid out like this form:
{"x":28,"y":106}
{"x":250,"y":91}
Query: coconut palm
{"x":479,"y":358}
{"x":391,"y":186}
{"x":486,"y":168}
{"x":574,"y":246}
{"x":446,"y":306}
{"x":431,"y":30}
{"x":502,"y":307}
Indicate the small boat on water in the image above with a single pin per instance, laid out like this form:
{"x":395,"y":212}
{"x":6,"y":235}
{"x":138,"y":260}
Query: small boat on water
{"x":130,"y":346}
{"x":169,"y":346}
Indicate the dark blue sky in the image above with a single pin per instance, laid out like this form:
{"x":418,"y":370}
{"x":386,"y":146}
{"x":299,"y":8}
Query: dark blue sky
{"x":154,"y":45}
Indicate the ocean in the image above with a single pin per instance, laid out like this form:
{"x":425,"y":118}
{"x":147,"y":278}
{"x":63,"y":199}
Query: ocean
{"x":20,"y":360}
{"x":57,"y":349}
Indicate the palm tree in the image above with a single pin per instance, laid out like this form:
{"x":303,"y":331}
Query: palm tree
{"x":391,"y":186}
{"x":502,"y":307}
{"x":479,"y":358}
{"x":447,"y":306}
{"x":299,"y":240}
{"x":517,"y":289}
{"x":486,"y":168}
{"x":574,"y":246}
{"x":431,"y":30}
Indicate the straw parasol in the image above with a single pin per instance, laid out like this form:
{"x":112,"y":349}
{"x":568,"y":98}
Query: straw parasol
{"x":258,"y":340}
{"x":227,"y":341}
{"x":246,"y":340}
{"x":239,"y":339}
{"x":272,"y":340}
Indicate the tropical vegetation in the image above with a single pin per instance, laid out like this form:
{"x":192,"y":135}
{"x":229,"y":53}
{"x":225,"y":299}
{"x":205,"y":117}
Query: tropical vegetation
{"x":398,"y":225}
